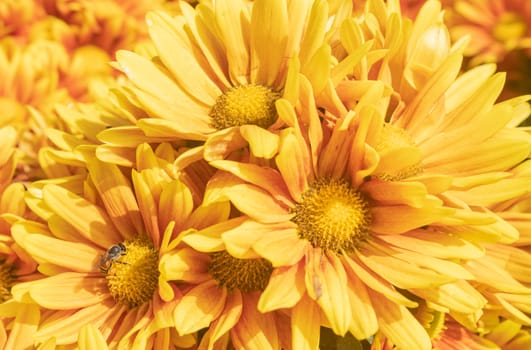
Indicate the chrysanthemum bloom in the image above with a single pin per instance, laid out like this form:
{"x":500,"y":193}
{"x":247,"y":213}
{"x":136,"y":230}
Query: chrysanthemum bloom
{"x":218,"y":68}
{"x":223,"y":291}
{"x":348,"y":214}
{"x":496,"y":27}
{"x":99,"y":247}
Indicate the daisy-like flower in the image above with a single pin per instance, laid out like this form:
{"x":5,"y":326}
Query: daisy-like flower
{"x":218,"y":67}
{"x":350,"y":229}
{"x":98,"y":244}
{"x":496,"y":27}
{"x":223,"y":291}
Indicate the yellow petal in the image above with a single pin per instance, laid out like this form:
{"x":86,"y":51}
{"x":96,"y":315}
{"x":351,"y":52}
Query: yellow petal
{"x":65,"y":326}
{"x":400,"y":218}
{"x":199,"y":307}
{"x":282,"y":246}
{"x":292,"y":161}
{"x":396,"y":193}
{"x":91,"y":221}
{"x":117,"y":196}
{"x":74,"y":256}
{"x":181,"y":63}
{"x":90,"y":338}
{"x":305,"y":324}
{"x":398,"y":324}
{"x":268,"y":40}
{"x":24,"y":327}
{"x":334,"y":299}
{"x":262,"y":143}
{"x":285,"y":288}
{"x":364,"y":321}
{"x":266,"y":178}
{"x":69,"y":290}
{"x":255,"y":330}
{"x":456,"y":297}
{"x":228,"y":318}
{"x":185,"y":264}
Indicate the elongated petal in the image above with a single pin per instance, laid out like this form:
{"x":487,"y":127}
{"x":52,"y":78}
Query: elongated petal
{"x":74,"y":256}
{"x":398,"y":324}
{"x":459,"y":296}
{"x":255,"y":330}
{"x":364,"y":321}
{"x":305,"y":322}
{"x":90,"y":338}
{"x":229,"y":317}
{"x":282,"y":247}
{"x":69,"y":290}
{"x":199,"y":307}
{"x":24,"y":327}
{"x":396,"y":193}
{"x":91,"y":221}
{"x":285,"y":288}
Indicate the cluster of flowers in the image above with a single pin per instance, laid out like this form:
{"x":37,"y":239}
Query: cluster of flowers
{"x":264,"y":175}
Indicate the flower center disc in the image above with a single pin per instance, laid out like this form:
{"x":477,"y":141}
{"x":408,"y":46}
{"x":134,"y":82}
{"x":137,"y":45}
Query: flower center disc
{"x":333,"y":216}
{"x":244,"y":274}
{"x":7,"y":279}
{"x":246,"y":104}
{"x":133,"y":277}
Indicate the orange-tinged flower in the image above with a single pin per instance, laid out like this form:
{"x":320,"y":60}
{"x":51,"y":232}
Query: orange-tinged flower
{"x":496,"y":27}
{"x":85,"y":281}
{"x":17,"y":16}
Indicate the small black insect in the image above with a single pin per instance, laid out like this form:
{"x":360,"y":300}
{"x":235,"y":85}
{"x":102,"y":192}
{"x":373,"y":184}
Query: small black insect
{"x":112,"y":255}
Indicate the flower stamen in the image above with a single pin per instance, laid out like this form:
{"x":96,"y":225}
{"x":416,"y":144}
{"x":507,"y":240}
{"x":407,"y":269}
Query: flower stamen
{"x":7,"y":279}
{"x":333,"y":216}
{"x":244,"y":274}
{"x":133,"y":277}
{"x":246,"y":104}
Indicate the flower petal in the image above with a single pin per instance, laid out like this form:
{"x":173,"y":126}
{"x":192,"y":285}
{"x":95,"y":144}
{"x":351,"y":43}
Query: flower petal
{"x":74,"y":256}
{"x":69,"y":290}
{"x":282,"y":247}
{"x":228,"y":318}
{"x":285,"y":288}
{"x":255,"y":330}
{"x":90,"y":338}
{"x":398,"y":324}
{"x":199,"y":307}
{"x":91,"y":221}
{"x":305,"y":324}
{"x":459,"y":296}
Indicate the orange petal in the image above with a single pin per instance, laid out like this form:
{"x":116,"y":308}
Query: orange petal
{"x":293,"y":163}
{"x":24,"y":327}
{"x":364,"y":322}
{"x":396,"y":193}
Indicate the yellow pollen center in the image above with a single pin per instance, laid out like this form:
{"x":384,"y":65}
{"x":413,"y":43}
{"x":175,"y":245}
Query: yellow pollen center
{"x":333,"y":216}
{"x":246,"y":104}
{"x":247,"y":275}
{"x":133,"y":276}
{"x":510,"y":26}
{"x":393,"y":138}
{"x":7,"y":279}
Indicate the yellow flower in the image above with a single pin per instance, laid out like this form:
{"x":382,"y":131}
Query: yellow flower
{"x":326,"y":218}
{"x":98,"y":243}
{"x":221,"y":67}
{"x":221,"y":291}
